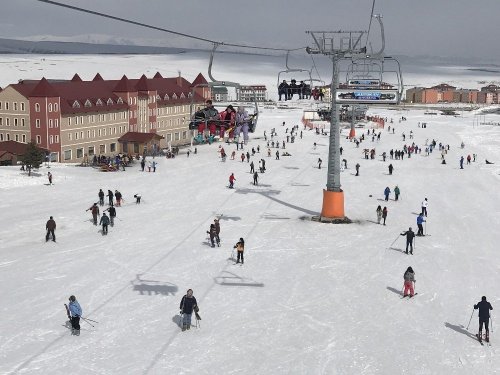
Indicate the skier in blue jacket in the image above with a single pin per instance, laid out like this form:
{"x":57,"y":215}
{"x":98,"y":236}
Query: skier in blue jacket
{"x":75,"y":311}
{"x":387,"y":191}
{"x":420,"y":220}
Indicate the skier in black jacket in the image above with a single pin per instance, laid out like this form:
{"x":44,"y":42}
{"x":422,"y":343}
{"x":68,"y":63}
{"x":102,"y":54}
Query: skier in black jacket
{"x":101,"y":197}
{"x":188,"y":304}
{"x":410,"y":235}
{"x":484,"y":317}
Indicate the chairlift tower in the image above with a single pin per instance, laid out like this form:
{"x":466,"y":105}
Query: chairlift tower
{"x":336,"y":45}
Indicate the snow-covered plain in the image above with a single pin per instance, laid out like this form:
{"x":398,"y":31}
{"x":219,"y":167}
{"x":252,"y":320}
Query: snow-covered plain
{"x":311,"y":298}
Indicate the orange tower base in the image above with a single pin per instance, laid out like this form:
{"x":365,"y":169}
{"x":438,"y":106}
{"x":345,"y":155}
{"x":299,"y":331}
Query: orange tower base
{"x":333,"y":205}
{"x":352,"y":133}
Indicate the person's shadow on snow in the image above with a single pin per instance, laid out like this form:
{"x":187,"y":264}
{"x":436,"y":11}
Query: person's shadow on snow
{"x":177,"y":319}
{"x":394,"y":290}
{"x":460,"y":329}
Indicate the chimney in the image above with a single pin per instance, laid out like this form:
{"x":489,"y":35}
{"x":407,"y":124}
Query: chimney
{"x":179,"y":80}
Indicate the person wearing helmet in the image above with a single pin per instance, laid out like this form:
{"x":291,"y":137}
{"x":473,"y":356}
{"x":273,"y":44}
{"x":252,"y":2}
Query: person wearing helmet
{"x":75,"y":312}
{"x":409,"y":277}
{"x":188,"y":304}
{"x":410,"y":235}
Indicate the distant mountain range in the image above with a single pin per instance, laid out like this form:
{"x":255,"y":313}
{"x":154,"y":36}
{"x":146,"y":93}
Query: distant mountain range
{"x":16,"y":46}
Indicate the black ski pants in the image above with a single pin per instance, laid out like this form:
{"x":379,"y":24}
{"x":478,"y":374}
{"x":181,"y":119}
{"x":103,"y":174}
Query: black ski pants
{"x":424,"y":211}
{"x":409,"y":243}
{"x":484,"y":321}
{"x":240,"y":256}
{"x":50,"y":232}
{"x":75,"y":322}
{"x":105,"y":229}
{"x":420,"y":230}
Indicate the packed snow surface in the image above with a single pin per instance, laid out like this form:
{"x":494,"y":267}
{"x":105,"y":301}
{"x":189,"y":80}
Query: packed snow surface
{"x":311,"y":298}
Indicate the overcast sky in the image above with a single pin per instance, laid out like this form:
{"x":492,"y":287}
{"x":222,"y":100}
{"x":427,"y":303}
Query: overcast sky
{"x":456,"y":28}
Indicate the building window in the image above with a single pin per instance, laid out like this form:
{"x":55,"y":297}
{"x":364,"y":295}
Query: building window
{"x":1,"y":137}
{"x":76,"y":136}
{"x":69,"y":121}
{"x":79,"y":153}
{"x":24,"y":138}
{"x":99,"y":132}
{"x":184,"y":135}
{"x":55,"y":107}
{"x":8,"y":137}
{"x":23,"y":122}
{"x":81,"y":135}
{"x":37,"y":123}
{"x":15,"y":106}
{"x":51,"y":139}
{"x":0,"y":105}
{"x":91,"y":151}
{"x":1,"y":121}
{"x":177,"y":136}
{"x":56,"y":123}
{"x":22,"y":107}
{"x":169,"y":137}
{"x":16,"y":122}
{"x":88,"y":134}
{"x":67,"y":155}
{"x":112,"y":147}
{"x":57,"y":139}
{"x":76,"y":120}
{"x":92,"y":119}
{"x":6,"y":106}
{"x":38,"y":139}
{"x":102,"y":149}
{"x":7,"y":121}
{"x":51,"y":123}
{"x":50,"y":107}
{"x":81,"y":120}
{"x":104,"y":131}
{"x":17,"y":137}
{"x":69,"y":136}
{"x":37,"y":107}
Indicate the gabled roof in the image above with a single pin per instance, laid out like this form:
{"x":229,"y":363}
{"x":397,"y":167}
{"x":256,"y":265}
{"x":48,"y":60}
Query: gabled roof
{"x":98,"y":77}
{"x":136,"y":137}
{"x":157,"y":75}
{"x":123,"y":85}
{"x":76,"y":78}
{"x":44,"y":89}
{"x":200,"y":79}
{"x":142,"y":84}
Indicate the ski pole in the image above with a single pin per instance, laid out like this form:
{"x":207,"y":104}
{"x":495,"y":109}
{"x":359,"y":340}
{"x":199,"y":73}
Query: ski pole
{"x":394,"y":241}
{"x":425,"y":228}
{"x":85,"y":320}
{"x":470,"y":318}
{"x":90,"y":320}
{"x":491,"y":323}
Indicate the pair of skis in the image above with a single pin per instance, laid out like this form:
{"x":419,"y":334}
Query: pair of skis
{"x":480,"y":339}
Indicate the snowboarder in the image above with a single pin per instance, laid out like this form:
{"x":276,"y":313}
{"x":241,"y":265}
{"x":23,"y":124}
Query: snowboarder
{"x":409,"y":277}
{"x":484,"y":317}
{"x":231,"y":181}
{"x":51,"y":227}
{"x":75,"y":312}
{"x":357,"y":169}
{"x":387,"y":191}
{"x":410,"y":235}
{"x":240,"y":248}
{"x":390,"y":169}
{"x":396,"y":193}
{"x":212,"y":232}
{"x":384,"y":214}
{"x":255,"y":178}
{"x":425,"y":204}
{"x":95,"y":212}
{"x":110,"y":197}
{"x":187,"y":305}
{"x":319,"y":163}
{"x":137,"y":198}
{"x":49,"y":175}
{"x":420,"y":220}
{"x":379,"y":214}
{"x":101,"y":197}
{"x":112,"y":214}
{"x":118,"y":197}
{"x":104,"y":222}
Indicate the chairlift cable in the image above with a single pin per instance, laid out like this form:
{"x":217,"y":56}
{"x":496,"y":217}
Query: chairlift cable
{"x":105,"y":15}
{"x":315,"y":68}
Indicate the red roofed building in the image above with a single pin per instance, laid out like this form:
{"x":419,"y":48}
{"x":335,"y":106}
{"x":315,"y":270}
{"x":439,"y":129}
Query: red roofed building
{"x":76,"y":118}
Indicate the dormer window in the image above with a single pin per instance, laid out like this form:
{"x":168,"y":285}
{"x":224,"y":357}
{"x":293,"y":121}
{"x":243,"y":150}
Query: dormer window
{"x":110,"y":102}
{"x":174,"y":96}
{"x":158,"y":97}
{"x":190,"y":94}
{"x":166,"y":97}
{"x":120,"y":101}
{"x":182,"y":95}
{"x":99,"y":102}
{"x":88,"y":103}
{"x":76,"y":104}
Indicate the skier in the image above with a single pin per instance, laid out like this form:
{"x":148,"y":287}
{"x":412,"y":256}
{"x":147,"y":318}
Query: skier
{"x":104,"y":222}
{"x":143,"y":164}
{"x":319,"y":163}
{"x":248,"y":157}
{"x":277,"y":155}
{"x":396,"y":193}
{"x":231,"y":181}
{"x":75,"y":312}
{"x":425,"y":203}
{"x":112,"y":215}
{"x":420,"y":220}
{"x":187,"y":305}
{"x":118,"y":197}
{"x":390,"y":169}
{"x":101,"y":197}
{"x":410,"y":235}
{"x":384,"y":214}
{"x":409,"y":277}
{"x":212,"y":232}
{"x":379,"y":214}
{"x":252,"y":167}
{"x":137,"y":198}
{"x":387,"y":191}
{"x":240,"y":248}
{"x":110,"y":197}
{"x":255,"y":178}
{"x":357,"y":169}
{"x":49,"y":175}
{"x":95,"y":212}
{"x":217,"y":231}
{"x":51,"y":227}
{"x":462,"y":162}
{"x":484,"y":317}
